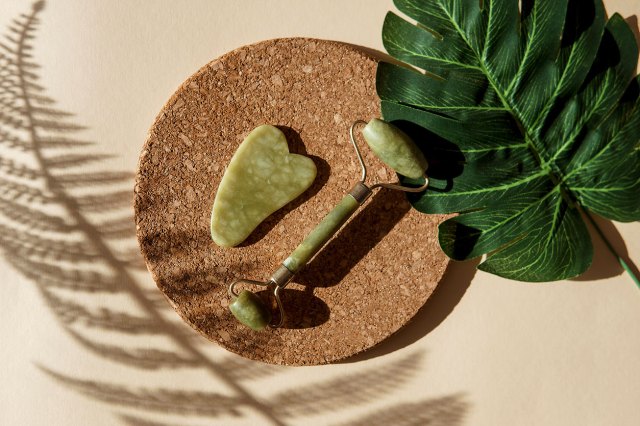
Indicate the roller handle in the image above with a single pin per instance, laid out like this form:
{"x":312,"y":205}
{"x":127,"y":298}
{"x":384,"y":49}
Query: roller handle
{"x":327,"y":228}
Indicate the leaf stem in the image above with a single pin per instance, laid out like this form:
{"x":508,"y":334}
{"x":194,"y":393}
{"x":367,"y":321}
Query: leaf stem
{"x":622,"y":262}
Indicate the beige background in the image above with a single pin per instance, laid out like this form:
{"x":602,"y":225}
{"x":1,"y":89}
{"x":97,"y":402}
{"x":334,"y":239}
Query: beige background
{"x":484,"y":351}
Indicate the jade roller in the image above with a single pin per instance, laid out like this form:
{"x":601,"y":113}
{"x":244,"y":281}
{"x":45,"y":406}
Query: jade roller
{"x":397,"y":151}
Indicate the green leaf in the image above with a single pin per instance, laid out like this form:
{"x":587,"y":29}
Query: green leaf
{"x":527,"y":115}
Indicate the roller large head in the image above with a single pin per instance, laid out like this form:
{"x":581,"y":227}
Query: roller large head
{"x":395,"y":148}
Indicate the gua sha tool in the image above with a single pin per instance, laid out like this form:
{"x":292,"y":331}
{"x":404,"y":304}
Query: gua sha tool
{"x":261,"y":177}
{"x":390,"y":145}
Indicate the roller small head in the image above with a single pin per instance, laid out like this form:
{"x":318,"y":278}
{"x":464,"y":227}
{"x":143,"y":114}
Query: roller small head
{"x":250,"y":310}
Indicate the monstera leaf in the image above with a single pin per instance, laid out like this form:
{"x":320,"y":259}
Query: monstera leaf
{"x":531,"y":117}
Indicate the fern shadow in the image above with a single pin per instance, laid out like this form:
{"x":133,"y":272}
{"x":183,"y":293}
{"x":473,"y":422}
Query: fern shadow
{"x":64,"y":225}
{"x":445,"y":411}
{"x":334,"y":394}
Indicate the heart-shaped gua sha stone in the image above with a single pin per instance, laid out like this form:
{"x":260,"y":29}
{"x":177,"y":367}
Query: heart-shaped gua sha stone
{"x":262,"y":177}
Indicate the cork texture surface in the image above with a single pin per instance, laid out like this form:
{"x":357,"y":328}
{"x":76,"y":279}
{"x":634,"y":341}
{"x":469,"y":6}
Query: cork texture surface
{"x":365,"y":284}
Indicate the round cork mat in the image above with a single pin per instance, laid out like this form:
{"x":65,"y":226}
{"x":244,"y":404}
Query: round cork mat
{"x":365,"y":284}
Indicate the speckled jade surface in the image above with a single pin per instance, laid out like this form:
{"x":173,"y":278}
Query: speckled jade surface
{"x":262,"y":177}
{"x":395,"y":148}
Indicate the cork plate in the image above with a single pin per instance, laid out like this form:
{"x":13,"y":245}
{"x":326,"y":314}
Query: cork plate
{"x":368,"y":281}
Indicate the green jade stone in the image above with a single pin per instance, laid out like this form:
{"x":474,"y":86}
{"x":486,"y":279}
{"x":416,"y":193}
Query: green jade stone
{"x":261,"y":178}
{"x":250,"y":310}
{"x":321,"y":234}
{"x":395,"y":148}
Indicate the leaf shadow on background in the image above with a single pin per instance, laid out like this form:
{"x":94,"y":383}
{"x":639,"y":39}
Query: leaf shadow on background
{"x":632,"y":21}
{"x":604,"y":264}
{"x":447,"y":411}
{"x":70,"y":232}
